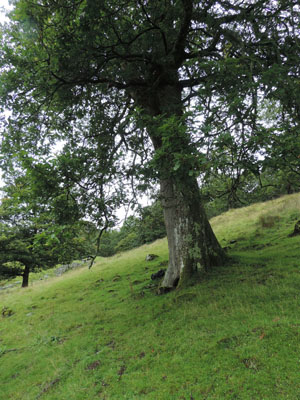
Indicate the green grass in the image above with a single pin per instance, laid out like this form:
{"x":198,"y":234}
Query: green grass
{"x":104,"y":333}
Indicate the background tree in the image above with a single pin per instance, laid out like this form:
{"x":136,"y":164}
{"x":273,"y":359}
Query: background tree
{"x":242,"y":170}
{"x":114,"y":81}
{"x":147,"y":226}
{"x":151,"y":223}
{"x":31,"y":237}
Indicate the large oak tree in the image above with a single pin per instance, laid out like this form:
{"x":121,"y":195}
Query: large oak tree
{"x":134,"y":87}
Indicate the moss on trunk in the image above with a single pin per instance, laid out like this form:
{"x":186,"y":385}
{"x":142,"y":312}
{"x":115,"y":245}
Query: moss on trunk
{"x":193,"y":247}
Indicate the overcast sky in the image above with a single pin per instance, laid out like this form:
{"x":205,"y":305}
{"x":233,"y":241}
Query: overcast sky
{"x":3,"y":4}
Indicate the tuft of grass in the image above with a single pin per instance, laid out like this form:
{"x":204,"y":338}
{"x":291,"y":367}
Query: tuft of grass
{"x":268,"y":221}
{"x":105,"y":334}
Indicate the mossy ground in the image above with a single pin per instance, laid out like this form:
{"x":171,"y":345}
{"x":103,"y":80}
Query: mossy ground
{"x":104,"y":333}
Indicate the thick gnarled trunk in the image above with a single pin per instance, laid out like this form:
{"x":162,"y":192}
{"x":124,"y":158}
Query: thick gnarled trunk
{"x":193,"y":246}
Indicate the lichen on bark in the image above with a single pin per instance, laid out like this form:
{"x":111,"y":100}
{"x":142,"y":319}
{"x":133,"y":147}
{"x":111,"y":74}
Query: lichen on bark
{"x":193,"y":247}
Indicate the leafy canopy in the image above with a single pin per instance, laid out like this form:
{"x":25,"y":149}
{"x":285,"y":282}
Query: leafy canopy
{"x":112,"y":80}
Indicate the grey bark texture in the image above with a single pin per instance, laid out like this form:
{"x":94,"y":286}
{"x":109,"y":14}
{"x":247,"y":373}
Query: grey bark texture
{"x":193,"y":246}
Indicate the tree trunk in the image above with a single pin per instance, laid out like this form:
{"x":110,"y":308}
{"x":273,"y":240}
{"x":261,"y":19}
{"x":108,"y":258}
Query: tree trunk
{"x":25,"y":275}
{"x":193,"y":246}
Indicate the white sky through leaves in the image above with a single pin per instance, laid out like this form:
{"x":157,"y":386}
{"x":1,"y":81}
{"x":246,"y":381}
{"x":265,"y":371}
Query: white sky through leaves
{"x":4,"y":6}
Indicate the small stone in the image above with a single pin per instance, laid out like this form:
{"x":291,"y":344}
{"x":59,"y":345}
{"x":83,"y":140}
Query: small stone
{"x":151,"y":257}
{"x":159,"y":274}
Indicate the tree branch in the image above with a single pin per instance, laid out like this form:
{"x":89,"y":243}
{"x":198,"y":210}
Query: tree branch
{"x":178,"y":49}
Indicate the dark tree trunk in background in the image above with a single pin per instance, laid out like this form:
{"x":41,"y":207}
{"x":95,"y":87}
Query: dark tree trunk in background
{"x":25,"y":277}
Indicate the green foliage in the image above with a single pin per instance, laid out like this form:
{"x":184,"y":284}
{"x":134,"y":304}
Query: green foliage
{"x":151,"y":223}
{"x":227,"y":189}
{"x":120,"y":102}
{"x":30,"y":237}
{"x":146,"y":227}
{"x":243,"y":168}
{"x":130,"y":241}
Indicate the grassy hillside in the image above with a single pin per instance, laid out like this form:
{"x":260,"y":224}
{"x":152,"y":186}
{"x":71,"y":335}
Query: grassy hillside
{"x":104,"y":333}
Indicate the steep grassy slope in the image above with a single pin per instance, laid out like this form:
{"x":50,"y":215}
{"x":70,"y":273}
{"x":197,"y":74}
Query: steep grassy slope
{"x":105,"y":334}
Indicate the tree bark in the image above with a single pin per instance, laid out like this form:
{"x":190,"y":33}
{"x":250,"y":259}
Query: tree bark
{"x":193,"y":247}
{"x":25,"y":275}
